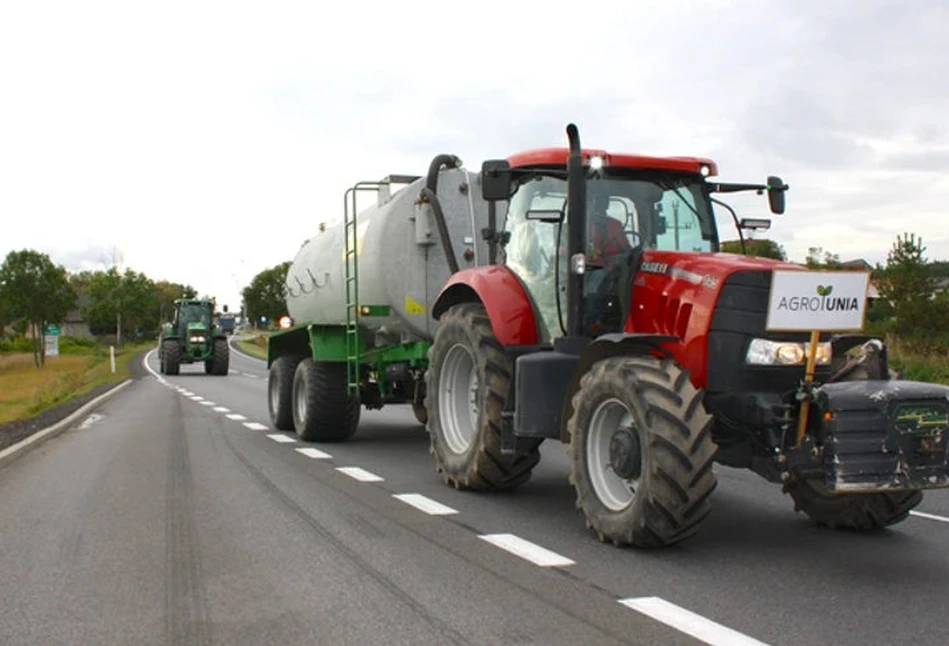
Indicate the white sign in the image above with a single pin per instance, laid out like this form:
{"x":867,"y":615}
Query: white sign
{"x":830,"y":301}
{"x":52,"y":345}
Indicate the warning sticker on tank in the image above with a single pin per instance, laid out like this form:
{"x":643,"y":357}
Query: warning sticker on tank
{"x":412,"y":306}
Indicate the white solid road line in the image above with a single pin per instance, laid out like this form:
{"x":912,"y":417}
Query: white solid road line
{"x":237,"y":417}
{"x":690,"y":623}
{"x":429,"y":506}
{"x":922,"y":514}
{"x":221,"y":409}
{"x":280,"y":437}
{"x":526,"y":550}
{"x":359,"y":474}
{"x":316,"y":454}
{"x":256,"y":426}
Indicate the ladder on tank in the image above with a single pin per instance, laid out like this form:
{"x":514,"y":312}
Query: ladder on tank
{"x":351,"y":237}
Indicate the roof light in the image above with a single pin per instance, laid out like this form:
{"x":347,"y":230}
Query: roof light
{"x":596,"y":162}
{"x":705,"y":170}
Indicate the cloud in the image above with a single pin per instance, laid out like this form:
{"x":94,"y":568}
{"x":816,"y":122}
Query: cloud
{"x":208,"y":141}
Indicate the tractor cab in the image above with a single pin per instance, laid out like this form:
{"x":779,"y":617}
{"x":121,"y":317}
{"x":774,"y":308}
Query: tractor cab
{"x":630,"y":204}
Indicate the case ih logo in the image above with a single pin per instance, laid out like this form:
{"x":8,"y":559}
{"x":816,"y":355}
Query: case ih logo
{"x":823,"y":302}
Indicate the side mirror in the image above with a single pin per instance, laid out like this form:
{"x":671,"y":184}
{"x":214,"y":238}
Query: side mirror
{"x":662,"y":225}
{"x":496,"y":180}
{"x":553,"y":216}
{"x":776,"y":189}
{"x":225,"y":309}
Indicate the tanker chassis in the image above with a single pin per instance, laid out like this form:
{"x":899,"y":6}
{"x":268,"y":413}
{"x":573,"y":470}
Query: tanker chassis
{"x":600,"y":312}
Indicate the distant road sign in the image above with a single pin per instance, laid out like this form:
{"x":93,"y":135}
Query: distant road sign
{"x":53,"y":330}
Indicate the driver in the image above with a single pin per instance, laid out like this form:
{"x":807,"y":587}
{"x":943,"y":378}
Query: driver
{"x":607,"y":248}
{"x":606,"y":236}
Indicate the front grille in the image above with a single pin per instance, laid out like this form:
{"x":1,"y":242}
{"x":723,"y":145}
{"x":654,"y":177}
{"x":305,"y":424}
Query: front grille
{"x":741,"y":313}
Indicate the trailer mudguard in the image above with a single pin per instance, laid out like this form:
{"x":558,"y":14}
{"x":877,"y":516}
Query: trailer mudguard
{"x":498,"y":288}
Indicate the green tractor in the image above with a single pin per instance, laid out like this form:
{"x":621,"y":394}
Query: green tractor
{"x":192,"y":336}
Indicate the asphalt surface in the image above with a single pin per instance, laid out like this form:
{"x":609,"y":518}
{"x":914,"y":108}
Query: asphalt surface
{"x":163,"y":520}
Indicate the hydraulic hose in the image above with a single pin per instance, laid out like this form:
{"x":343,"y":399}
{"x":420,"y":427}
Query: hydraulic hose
{"x":430,"y":195}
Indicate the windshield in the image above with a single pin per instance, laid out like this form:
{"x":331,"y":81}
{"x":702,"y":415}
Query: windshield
{"x":195,"y":314}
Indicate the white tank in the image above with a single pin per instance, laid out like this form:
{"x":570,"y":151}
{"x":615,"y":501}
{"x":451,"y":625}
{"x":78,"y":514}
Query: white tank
{"x":401,"y":262}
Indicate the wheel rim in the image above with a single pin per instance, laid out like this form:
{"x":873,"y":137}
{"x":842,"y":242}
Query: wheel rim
{"x":299,"y":401}
{"x":614,"y":492}
{"x":458,"y":399}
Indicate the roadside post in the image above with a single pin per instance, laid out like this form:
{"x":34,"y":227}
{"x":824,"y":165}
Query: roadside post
{"x":112,"y":357}
{"x":816,"y":302}
{"x":51,"y":339}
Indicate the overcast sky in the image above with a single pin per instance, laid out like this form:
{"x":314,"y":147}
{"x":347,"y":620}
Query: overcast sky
{"x":204,"y":142}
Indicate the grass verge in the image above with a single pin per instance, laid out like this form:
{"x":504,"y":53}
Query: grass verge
{"x":26,"y":391}
{"x":929,"y":364}
{"x":256,"y":345}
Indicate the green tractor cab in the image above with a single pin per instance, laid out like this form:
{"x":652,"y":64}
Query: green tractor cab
{"x":192,"y":336}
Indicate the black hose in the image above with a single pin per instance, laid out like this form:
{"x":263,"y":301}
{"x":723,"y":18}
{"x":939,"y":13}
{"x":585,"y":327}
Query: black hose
{"x":430,"y":195}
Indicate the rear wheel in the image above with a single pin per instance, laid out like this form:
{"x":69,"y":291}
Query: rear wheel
{"x":171,"y":356}
{"x":323,"y":410}
{"x":280,"y":391}
{"x":466,"y":387}
{"x":641,"y":452}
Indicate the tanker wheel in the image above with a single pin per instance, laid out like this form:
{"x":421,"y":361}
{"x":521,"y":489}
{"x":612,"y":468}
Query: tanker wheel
{"x":852,"y":511}
{"x":280,"y":391}
{"x":421,"y":413}
{"x":220,"y":358}
{"x":323,"y":410}
{"x":171,"y":357}
{"x":466,"y":388}
{"x":641,"y":452}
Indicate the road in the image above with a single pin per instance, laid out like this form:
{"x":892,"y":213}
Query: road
{"x":176,"y":515}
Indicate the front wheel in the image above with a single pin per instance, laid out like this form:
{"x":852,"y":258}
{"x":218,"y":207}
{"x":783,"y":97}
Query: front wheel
{"x":466,"y":387}
{"x":641,"y":452}
{"x":852,"y":511}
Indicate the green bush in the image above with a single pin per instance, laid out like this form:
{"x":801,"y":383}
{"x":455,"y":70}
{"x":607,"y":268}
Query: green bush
{"x":19,"y":344}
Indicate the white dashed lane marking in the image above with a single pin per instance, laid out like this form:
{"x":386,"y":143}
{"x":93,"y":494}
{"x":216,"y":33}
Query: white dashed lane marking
{"x":359,"y":474}
{"x":922,"y":514}
{"x":280,"y":437}
{"x":196,"y":398}
{"x":256,"y":426}
{"x":689,"y":622}
{"x":207,"y":403}
{"x":429,"y":506}
{"x":526,"y":550}
{"x":316,"y":454}
{"x":237,"y":417}
{"x":221,"y":409}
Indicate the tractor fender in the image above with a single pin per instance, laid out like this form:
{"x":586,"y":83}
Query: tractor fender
{"x":604,"y":347}
{"x":510,"y":310}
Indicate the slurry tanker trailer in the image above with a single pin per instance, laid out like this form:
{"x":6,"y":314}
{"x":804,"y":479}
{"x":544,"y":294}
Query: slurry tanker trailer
{"x":580,"y":296}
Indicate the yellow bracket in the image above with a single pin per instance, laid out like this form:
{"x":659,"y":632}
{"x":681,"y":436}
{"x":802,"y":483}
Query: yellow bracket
{"x":809,"y":378}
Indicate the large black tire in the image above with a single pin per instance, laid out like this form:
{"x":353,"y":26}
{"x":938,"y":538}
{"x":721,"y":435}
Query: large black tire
{"x":280,"y":391}
{"x":465,"y":331}
{"x":421,"y":413}
{"x":852,"y":511}
{"x":171,"y":356}
{"x":323,"y":410}
{"x":664,"y":416}
{"x":220,"y":358}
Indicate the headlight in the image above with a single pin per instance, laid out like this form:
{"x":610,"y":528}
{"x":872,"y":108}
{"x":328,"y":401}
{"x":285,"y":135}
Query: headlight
{"x":762,"y":352}
{"x":197,"y":339}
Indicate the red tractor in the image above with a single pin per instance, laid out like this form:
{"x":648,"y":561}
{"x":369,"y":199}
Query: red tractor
{"x":608,"y":319}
